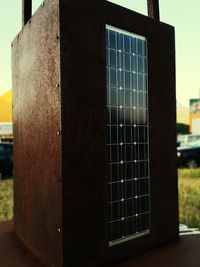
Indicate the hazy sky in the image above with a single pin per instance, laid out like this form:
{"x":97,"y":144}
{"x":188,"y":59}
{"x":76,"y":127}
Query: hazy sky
{"x":184,"y":15}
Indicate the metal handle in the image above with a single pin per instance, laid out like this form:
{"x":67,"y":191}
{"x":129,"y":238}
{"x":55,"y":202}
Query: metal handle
{"x":153,"y":9}
{"x":26,"y":11}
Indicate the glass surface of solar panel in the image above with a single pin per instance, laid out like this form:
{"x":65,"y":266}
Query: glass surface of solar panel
{"x":127,"y":138}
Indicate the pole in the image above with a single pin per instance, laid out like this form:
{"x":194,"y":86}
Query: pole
{"x":153,"y":9}
{"x":26,"y":11}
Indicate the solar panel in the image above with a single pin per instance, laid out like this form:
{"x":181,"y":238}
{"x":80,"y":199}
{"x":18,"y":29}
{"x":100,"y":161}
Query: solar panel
{"x":127,"y":138}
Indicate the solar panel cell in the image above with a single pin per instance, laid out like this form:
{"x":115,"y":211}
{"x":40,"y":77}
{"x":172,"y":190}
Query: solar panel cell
{"x":127,"y":106}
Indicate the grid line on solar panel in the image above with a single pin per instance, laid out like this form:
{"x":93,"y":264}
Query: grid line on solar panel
{"x":127,"y":142}
{"x":129,"y":217}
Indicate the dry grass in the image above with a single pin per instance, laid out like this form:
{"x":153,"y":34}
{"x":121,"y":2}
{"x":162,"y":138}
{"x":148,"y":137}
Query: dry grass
{"x":6,"y":200}
{"x":189,"y":197}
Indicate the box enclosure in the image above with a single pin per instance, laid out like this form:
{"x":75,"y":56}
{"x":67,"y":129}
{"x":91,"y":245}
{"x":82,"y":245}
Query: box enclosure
{"x":60,"y":134}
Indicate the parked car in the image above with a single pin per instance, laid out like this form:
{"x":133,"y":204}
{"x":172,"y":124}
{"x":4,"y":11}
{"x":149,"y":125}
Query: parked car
{"x":6,"y":160}
{"x":188,"y":139}
{"x":188,"y":156}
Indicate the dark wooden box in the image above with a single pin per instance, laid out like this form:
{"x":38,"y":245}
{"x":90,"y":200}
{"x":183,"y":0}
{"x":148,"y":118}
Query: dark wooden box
{"x":59,"y":116}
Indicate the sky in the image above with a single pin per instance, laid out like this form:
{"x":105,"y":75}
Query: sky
{"x":183,"y":15}
{"x":10,"y":25}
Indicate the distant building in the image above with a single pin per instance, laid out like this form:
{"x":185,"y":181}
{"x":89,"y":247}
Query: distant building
{"x":6,"y":132}
{"x":6,"y":107}
{"x":182,"y":114}
{"x":195,"y":116}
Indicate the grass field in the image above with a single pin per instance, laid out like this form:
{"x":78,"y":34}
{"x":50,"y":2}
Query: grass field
{"x":189,"y":197}
{"x":6,"y":200}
